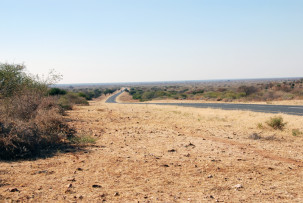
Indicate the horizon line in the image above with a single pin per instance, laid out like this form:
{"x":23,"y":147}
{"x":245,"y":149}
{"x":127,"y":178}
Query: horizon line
{"x":176,"y":81}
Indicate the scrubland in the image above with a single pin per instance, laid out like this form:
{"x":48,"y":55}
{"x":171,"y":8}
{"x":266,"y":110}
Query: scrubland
{"x":264,"y":91}
{"x":152,"y":153}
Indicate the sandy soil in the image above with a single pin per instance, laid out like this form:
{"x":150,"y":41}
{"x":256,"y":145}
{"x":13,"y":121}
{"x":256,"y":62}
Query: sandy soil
{"x":155,"y":153}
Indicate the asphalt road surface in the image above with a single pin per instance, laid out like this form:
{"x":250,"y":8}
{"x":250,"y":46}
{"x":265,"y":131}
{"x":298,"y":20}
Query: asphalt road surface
{"x":112,"y":99}
{"x":286,"y":109}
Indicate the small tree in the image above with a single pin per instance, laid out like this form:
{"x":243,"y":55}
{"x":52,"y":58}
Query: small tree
{"x":248,"y":90}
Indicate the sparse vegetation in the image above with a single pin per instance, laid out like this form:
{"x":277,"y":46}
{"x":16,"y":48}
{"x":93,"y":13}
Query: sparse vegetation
{"x":29,"y":120}
{"x":70,"y":99}
{"x":296,"y":132}
{"x":276,"y":123}
{"x":260,"y":126}
{"x":227,"y":92}
{"x":82,"y":139}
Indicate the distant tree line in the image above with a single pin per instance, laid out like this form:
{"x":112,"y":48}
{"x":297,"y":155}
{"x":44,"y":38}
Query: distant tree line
{"x":265,"y":91}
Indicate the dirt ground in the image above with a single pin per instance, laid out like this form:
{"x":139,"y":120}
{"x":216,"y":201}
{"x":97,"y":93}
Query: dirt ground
{"x":152,"y":153}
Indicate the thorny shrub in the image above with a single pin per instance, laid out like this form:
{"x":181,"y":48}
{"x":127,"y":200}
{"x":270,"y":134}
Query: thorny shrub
{"x":29,"y":120}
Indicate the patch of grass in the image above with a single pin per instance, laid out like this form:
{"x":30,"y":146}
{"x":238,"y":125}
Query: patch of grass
{"x":260,"y":126}
{"x":296,"y":132}
{"x":276,"y":123}
{"x":82,"y":139}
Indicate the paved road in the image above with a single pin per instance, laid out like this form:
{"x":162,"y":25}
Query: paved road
{"x":287,"y":109}
{"x":112,"y":99}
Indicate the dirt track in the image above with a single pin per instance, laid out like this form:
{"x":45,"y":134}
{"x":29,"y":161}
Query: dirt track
{"x":156,"y":153}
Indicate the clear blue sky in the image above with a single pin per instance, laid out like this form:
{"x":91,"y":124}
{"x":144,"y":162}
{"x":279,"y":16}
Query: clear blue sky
{"x":154,"y":40}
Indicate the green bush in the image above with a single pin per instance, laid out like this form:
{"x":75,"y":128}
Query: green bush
{"x":276,"y":122}
{"x":14,"y":80}
{"x":56,"y":91}
{"x":198,"y":92}
{"x":147,"y":96}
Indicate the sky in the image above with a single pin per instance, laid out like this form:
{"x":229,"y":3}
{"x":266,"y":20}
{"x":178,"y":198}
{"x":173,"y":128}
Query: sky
{"x":101,"y":41}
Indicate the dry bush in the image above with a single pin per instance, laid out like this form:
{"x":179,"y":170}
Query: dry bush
{"x":69,"y":100}
{"x":29,"y":120}
{"x":26,"y":128}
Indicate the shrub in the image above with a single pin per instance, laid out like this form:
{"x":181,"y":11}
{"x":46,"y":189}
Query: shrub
{"x":260,"y":126}
{"x":147,"y":96}
{"x":29,"y":120}
{"x":276,"y":122}
{"x":23,"y":135}
{"x":198,"y":92}
{"x":296,"y":132}
{"x":109,"y":91}
{"x":70,"y":99}
{"x":14,"y":81}
{"x":56,"y":91}
{"x":248,"y":90}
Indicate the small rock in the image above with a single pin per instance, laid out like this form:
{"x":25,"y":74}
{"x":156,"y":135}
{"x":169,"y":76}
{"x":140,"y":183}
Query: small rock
{"x":254,"y":136}
{"x":172,"y":150}
{"x":190,"y":145}
{"x":79,"y":169}
{"x":73,"y":180}
{"x":14,"y":190}
{"x":44,"y":171}
{"x":238,"y":186}
{"x":210,"y":176}
{"x":96,"y":186}
{"x":165,"y":165}
{"x":69,"y":191}
{"x":116,"y":194}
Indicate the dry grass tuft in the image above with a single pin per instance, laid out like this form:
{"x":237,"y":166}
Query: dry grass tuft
{"x":276,"y":123}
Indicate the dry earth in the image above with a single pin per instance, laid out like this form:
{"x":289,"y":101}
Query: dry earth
{"x":153,"y":153}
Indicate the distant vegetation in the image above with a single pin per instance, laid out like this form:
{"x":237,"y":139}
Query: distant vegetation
{"x":263,"y":91}
{"x":69,"y":97}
